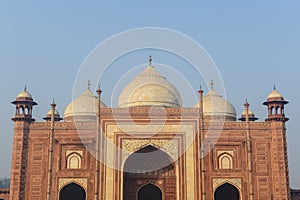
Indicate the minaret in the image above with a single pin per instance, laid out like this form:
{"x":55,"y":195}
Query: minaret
{"x":22,"y":119}
{"x":249,"y":151}
{"x":50,"y":153}
{"x":98,"y":136}
{"x":276,"y":120}
{"x":201,"y":130}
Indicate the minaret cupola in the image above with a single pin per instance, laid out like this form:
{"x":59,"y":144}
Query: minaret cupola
{"x":24,"y":104}
{"x":275,"y":103}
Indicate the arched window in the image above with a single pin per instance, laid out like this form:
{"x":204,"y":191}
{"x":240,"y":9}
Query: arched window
{"x":26,"y":111}
{"x":272,"y":110}
{"x":21,"y":111}
{"x":74,"y":161}
{"x":225,"y":161}
{"x":278,"y":110}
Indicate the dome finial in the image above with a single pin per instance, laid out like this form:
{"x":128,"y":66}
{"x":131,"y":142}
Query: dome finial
{"x":150,"y":60}
{"x":89,"y":84}
{"x":200,"y":91}
{"x":211,"y":84}
{"x":99,"y":91}
{"x":25,"y":88}
{"x":274,"y":87}
{"x":53,"y":105}
{"x":246,"y":105}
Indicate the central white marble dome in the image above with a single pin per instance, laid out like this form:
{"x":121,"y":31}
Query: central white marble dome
{"x":149,"y":88}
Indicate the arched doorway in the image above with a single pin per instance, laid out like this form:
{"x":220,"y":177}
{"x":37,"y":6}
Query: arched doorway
{"x":227,"y":192}
{"x":72,"y":192}
{"x":149,"y":192}
{"x":149,"y":166}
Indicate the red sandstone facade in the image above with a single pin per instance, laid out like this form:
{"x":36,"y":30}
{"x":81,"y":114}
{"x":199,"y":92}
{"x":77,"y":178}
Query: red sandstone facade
{"x":4,"y":193}
{"x":263,"y":143}
{"x":173,"y":153}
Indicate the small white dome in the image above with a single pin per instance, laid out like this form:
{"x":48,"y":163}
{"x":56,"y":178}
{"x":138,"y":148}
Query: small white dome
{"x":83,"y":106}
{"x":275,"y":94}
{"x":50,"y":112}
{"x":249,"y":112}
{"x":215,"y":105}
{"x":251,"y":116}
{"x":24,"y":94}
{"x":149,"y":89}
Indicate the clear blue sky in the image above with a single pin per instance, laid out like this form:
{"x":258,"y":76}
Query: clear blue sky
{"x":254,"y":44}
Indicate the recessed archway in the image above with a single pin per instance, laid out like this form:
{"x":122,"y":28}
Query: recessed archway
{"x":149,"y":192}
{"x":72,"y":192}
{"x":152,"y":168}
{"x":227,"y":192}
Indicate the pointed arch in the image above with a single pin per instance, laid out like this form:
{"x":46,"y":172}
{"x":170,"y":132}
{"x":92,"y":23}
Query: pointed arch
{"x":146,"y":159}
{"x":227,"y":191}
{"x":150,"y":167}
{"x":74,"y":161}
{"x":72,"y":191}
{"x":225,"y":161}
{"x":149,"y":191}
{"x":154,"y":144}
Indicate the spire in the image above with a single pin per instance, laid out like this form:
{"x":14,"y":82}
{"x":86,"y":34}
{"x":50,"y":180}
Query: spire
{"x":99,"y":91}
{"x":274,"y":87}
{"x":25,"y":88}
{"x":200,"y":91}
{"x":53,"y":105}
{"x":150,"y":60}
{"x":246,"y":105}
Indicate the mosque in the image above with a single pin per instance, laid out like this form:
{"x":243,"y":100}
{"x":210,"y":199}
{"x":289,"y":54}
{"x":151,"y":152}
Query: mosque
{"x":150,"y":147}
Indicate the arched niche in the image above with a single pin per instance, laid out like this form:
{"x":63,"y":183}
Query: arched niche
{"x":149,"y":192}
{"x":227,"y":192}
{"x":72,"y":191}
{"x":151,"y":167}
